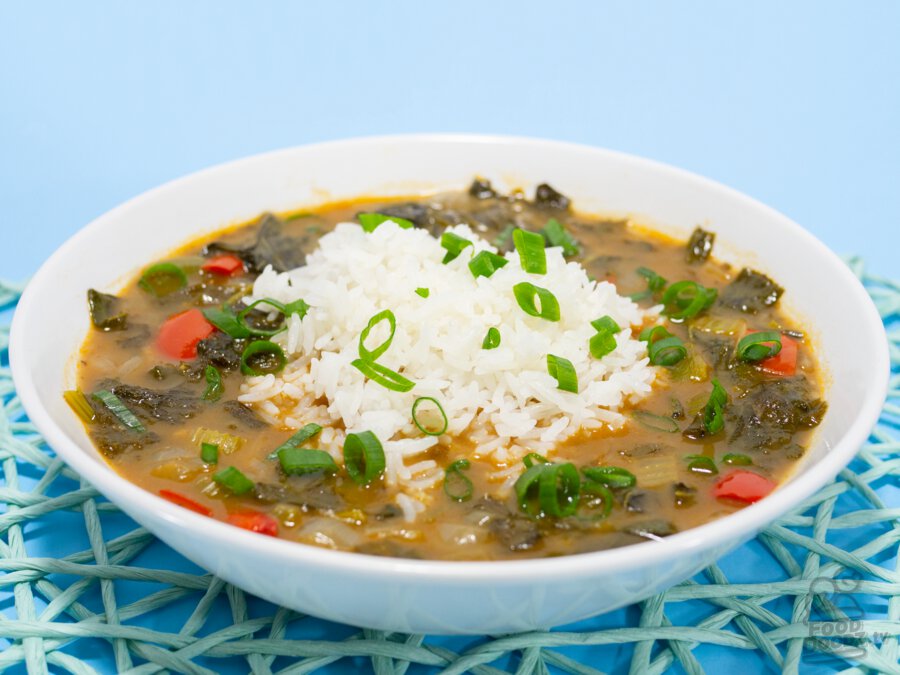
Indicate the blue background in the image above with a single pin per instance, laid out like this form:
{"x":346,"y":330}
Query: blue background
{"x":796,"y":104}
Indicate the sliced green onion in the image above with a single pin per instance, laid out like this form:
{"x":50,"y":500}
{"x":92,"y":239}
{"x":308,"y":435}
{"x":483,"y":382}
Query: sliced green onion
{"x":163,"y":279}
{"x":457,"y":485}
{"x":713,"y":412}
{"x":735,"y":459}
{"x":209,"y":453}
{"x":371,"y":355}
{"x":485,"y":263}
{"x":759,"y":346}
{"x":606,"y":323}
{"x":558,"y":489}
{"x":297,"y":307}
{"x":300,"y":437}
{"x":527,"y":489}
{"x":701,"y":464}
{"x":491,"y":339}
{"x":533,"y":458}
{"x":423,"y":292}
{"x":363,"y":457}
{"x":262,"y":357}
{"x":663,"y":348}
{"x":686,"y":299}
{"x":525,"y":295}
{"x":454,"y":245}
{"x":387,"y":378}
{"x":612,"y":477}
{"x":655,"y":284}
{"x":563,"y":372}
{"x":556,"y":235}
{"x":424,"y":429}
{"x":370,"y":221}
{"x":602,"y":344}
{"x":226,"y":322}
{"x":214,"y":387}
{"x":655,"y":422}
{"x":532,"y":255}
{"x":299,"y":461}
{"x":233,"y":479}
{"x":114,"y":404}
{"x":79,"y":405}
{"x":590,"y":488}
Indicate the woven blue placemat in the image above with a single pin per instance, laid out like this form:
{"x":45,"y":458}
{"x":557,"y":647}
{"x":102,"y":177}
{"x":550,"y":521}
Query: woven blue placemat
{"x":83,"y":589}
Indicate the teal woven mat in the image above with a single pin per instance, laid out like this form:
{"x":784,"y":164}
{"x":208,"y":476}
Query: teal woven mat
{"x":84,"y":590}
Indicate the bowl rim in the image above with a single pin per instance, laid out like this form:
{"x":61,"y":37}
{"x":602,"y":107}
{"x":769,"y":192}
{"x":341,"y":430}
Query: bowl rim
{"x":735,"y":527}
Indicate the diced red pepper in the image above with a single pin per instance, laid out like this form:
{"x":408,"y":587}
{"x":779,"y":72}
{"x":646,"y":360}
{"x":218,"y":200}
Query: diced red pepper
{"x":225,"y":265}
{"x":183,"y":501}
{"x":784,"y":363}
{"x":743,"y":486}
{"x":255,"y":522}
{"x":179,"y":335}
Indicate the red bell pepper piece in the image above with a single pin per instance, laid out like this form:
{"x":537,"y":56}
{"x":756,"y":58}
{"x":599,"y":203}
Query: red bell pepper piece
{"x":226,"y":265}
{"x":255,"y":522}
{"x":185,"y":502}
{"x":179,"y":335}
{"x":743,"y":486}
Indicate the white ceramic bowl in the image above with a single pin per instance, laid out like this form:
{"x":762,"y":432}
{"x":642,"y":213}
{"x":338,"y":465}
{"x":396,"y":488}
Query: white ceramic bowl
{"x":447,"y":597}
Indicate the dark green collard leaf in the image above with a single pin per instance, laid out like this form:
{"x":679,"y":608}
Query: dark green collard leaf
{"x":106,"y":312}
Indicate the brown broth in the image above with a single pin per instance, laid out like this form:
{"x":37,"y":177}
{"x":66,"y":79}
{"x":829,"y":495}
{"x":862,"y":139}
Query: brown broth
{"x":336,"y":512}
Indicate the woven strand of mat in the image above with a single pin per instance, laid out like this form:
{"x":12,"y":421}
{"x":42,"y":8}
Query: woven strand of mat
{"x":741,"y":619}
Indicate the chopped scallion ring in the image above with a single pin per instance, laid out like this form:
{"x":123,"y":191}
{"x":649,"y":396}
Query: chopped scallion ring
{"x":163,"y":279}
{"x":533,"y":458}
{"x":491,"y":339}
{"x":299,"y":461}
{"x":298,"y":307}
{"x":300,"y":437}
{"x":387,"y":378}
{"x":454,"y":245}
{"x":590,"y":490}
{"x":262,"y":357}
{"x":369,"y":221}
{"x":528,"y":296}
{"x":558,"y":489}
{"x":485,"y":263}
{"x":663,"y":348}
{"x":214,"y":386}
{"x":759,"y":346}
{"x":363,"y":457}
{"x":114,"y":404}
{"x":556,"y":235}
{"x":371,"y":355}
{"x":702,"y":464}
{"x":457,"y":485}
{"x":736,"y":459}
{"x":713,"y":412}
{"x":655,"y":284}
{"x":612,"y":477}
{"x":233,"y":479}
{"x":686,"y":299}
{"x":226,"y":322}
{"x":563,"y":372}
{"x":602,"y":344}
{"x":209,"y":453}
{"x":440,"y":428}
{"x":532,"y":255}
{"x":423,"y":292}
{"x":606,"y":323}
{"x":527,"y":487}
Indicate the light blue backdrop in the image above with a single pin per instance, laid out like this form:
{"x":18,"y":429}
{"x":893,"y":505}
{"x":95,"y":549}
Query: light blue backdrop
{"x":797,"y":104}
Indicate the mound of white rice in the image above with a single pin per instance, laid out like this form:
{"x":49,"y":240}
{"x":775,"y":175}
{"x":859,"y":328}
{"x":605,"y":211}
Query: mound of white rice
{"x":502,"y":400}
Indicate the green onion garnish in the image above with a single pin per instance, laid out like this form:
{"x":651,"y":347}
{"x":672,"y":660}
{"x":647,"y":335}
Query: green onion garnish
{"x":527,"y":487}
{"x":525,"y":295}
{"x":114,"y":404}
{"x":533,"y":458}
{"x":604,"y":341}
{"x":532,"y":255}
{"x":214,"y":387}
{"x":226,"y":322}
{"x":262,"y":357}
{"x":606,"y":323}
{"x":457,"y":485}
{"x":422,"y":292}
{"x":297,"y":307}
{"x":701,"y":464}
{"x":454,"y":245}
{"x":735,"y":459}
{"x":299,"y":461}
{"x":162,"y":279}
{"x":663,"y":348}
{"x":371,"y":355}
{"x":485,"y":263}
{"x":686,"y":299}
{"x":209,"y":453}
{"x":612,"y":477}
{"x":563,"y":372}
{"x":79,"y":405}
{"x":363,"y":457}
{"x":713,"y":412}
{"x":491,"y":339}
{"x":387,"y":378}
{"x":591,"y":487}
{"x":655,"y":284}
{"x":558,"y":489}
{"x":370,"y":221}
{"x":233,"y":479}
{"x":655,"y":422}
{"x":759,"y":346}
{"x":438,"y":429}
{"x":556,"y":235}
{"x":300,"y":437}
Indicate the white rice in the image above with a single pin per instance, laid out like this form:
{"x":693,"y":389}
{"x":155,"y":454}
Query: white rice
{"x":503,"y":400}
